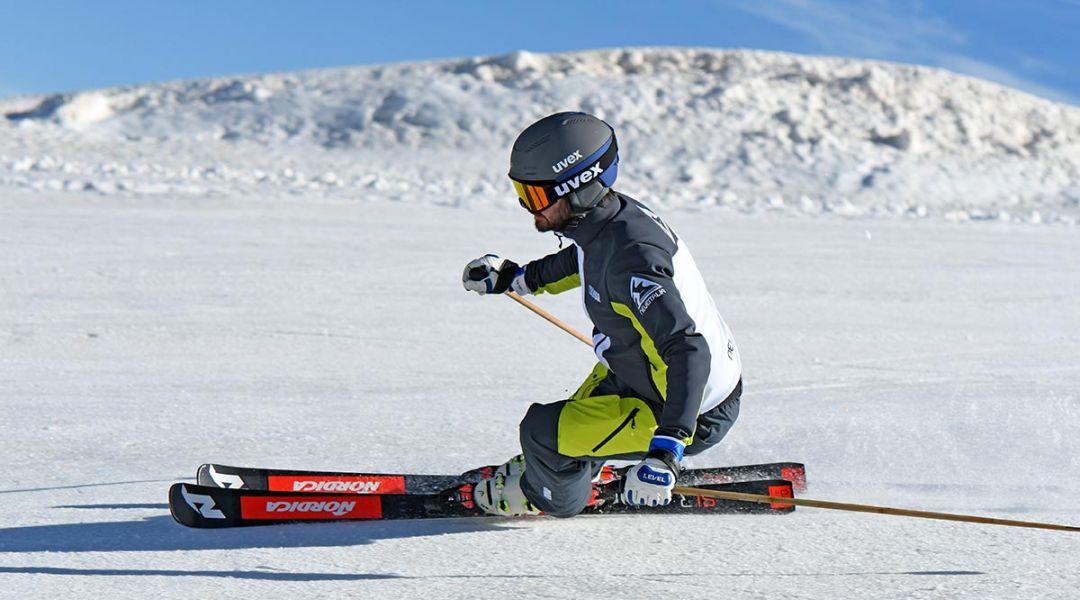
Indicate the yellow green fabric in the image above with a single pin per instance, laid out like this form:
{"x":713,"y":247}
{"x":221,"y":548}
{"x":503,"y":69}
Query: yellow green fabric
{"x":659,"y":367}
{"x":557,"y":287}
{"x":599,"y":373}
{"x":585,"y":423}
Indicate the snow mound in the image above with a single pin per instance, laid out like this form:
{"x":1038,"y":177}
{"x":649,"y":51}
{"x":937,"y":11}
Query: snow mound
{"x":76,"y":111}
{"x":750,"y":131}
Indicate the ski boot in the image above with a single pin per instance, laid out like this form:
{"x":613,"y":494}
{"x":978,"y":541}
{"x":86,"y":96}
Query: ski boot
{"x":499,"y":493}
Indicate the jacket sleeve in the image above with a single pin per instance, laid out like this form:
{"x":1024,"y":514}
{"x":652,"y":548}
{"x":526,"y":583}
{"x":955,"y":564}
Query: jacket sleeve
{"x":642,"y":289}
{"x":554,"y":273}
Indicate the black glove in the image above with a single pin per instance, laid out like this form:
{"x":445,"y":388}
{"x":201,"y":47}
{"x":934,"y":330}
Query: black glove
{"x":490,"y":274}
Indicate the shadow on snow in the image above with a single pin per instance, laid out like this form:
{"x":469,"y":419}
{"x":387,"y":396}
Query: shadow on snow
{"x":263,"y":575}
{"x":285,"y":576}
{"x":155,"y":534}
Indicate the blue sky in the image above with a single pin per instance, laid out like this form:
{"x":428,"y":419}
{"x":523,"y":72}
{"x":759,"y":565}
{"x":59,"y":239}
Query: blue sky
{"x":62,"y":45}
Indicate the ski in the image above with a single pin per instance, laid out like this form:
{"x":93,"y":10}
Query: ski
{"x":207,"y":507}
{"x":284,"y":480}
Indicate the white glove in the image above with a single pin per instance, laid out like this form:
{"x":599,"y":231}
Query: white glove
{"x":649,"y":483}
{"x":490,"y":274}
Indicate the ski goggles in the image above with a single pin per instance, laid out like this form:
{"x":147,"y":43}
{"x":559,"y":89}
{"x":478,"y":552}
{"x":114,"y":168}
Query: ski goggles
{"x":534,"y":197}
{"x":602,"y":165}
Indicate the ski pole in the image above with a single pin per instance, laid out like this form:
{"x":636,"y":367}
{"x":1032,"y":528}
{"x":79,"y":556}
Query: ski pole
{"x":550,"y":317}
{"x":845,"y":506}
{"x":866,"y":508}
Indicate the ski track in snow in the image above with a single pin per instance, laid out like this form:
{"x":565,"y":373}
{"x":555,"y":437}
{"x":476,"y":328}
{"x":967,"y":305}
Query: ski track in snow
{"x":140,"y":339}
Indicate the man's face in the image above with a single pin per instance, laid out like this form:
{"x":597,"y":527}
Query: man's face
{"x":554,"y":217}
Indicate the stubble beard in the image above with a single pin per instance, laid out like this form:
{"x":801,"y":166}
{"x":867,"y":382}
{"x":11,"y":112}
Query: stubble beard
{"x":555,"y":218}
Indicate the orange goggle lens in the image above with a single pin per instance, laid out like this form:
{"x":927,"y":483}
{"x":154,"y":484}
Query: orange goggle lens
{"x":534,"y":198}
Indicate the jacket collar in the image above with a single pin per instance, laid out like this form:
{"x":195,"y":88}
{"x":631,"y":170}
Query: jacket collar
{"x":585,"y":231}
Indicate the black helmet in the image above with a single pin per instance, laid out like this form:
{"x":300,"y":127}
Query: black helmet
{"x":570,"y":154}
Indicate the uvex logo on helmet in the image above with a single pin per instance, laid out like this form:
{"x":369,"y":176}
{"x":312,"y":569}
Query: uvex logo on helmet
{"x":566,"y":162}
{"x":564,"y":188}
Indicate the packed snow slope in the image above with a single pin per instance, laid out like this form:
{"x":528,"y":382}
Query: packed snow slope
{"x":266,"y":271}
{"x":753,"y":131}
{"x":917,"y":364}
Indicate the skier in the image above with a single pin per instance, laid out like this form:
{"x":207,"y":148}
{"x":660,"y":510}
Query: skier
{"x":669,"y":376}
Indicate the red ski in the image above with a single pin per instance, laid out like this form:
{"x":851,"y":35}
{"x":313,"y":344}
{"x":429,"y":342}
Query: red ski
{"x":285,"y":480}
{"x":215,"y":507}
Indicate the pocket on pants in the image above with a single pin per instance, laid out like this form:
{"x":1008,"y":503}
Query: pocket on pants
{"x":605,"y":426}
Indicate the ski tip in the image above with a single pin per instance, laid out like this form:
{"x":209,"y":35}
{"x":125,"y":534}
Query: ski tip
{"x":177,"y":507}
{"x":201,"y":507}
{"x":202,"y":474}
{"x":220,"y":476}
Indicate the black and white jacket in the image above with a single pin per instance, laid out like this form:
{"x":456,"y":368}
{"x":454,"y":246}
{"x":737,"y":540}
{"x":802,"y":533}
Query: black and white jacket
{"x":655,"y":326}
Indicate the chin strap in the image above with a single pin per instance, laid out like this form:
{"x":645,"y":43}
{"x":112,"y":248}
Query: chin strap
{"x":579,"y":214}
{"x":581,"y":206}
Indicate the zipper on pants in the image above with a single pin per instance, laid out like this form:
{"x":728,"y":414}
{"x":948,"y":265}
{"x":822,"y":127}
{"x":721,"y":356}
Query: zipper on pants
{"x":627,"y":421}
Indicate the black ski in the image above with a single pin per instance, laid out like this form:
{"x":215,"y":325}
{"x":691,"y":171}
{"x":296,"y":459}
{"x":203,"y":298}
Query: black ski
{"x":214,"y":507}
{"x":285,"y":480}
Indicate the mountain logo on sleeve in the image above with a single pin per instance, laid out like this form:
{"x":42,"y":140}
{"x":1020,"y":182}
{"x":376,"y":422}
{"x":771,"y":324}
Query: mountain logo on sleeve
{"x":644,"y":292}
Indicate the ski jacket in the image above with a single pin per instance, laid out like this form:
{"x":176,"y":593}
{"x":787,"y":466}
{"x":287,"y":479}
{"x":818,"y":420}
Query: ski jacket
{"x":655,"y":326}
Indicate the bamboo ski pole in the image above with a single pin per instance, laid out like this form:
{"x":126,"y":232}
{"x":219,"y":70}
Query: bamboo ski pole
{"x":550,"y":317}
{"x":867,"y":508}
{"x":846,"y":506}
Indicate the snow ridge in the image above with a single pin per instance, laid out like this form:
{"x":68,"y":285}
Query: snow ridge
{"x":747,"y":130}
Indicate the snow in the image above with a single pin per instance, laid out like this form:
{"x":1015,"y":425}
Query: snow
{"x":171,"y":297}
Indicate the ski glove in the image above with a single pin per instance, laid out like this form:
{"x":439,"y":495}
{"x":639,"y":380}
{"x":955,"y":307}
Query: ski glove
{"x":649,"y":482}
{"x":490,"y":274}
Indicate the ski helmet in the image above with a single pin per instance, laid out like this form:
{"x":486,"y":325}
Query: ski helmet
{"x":567,"y":154}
